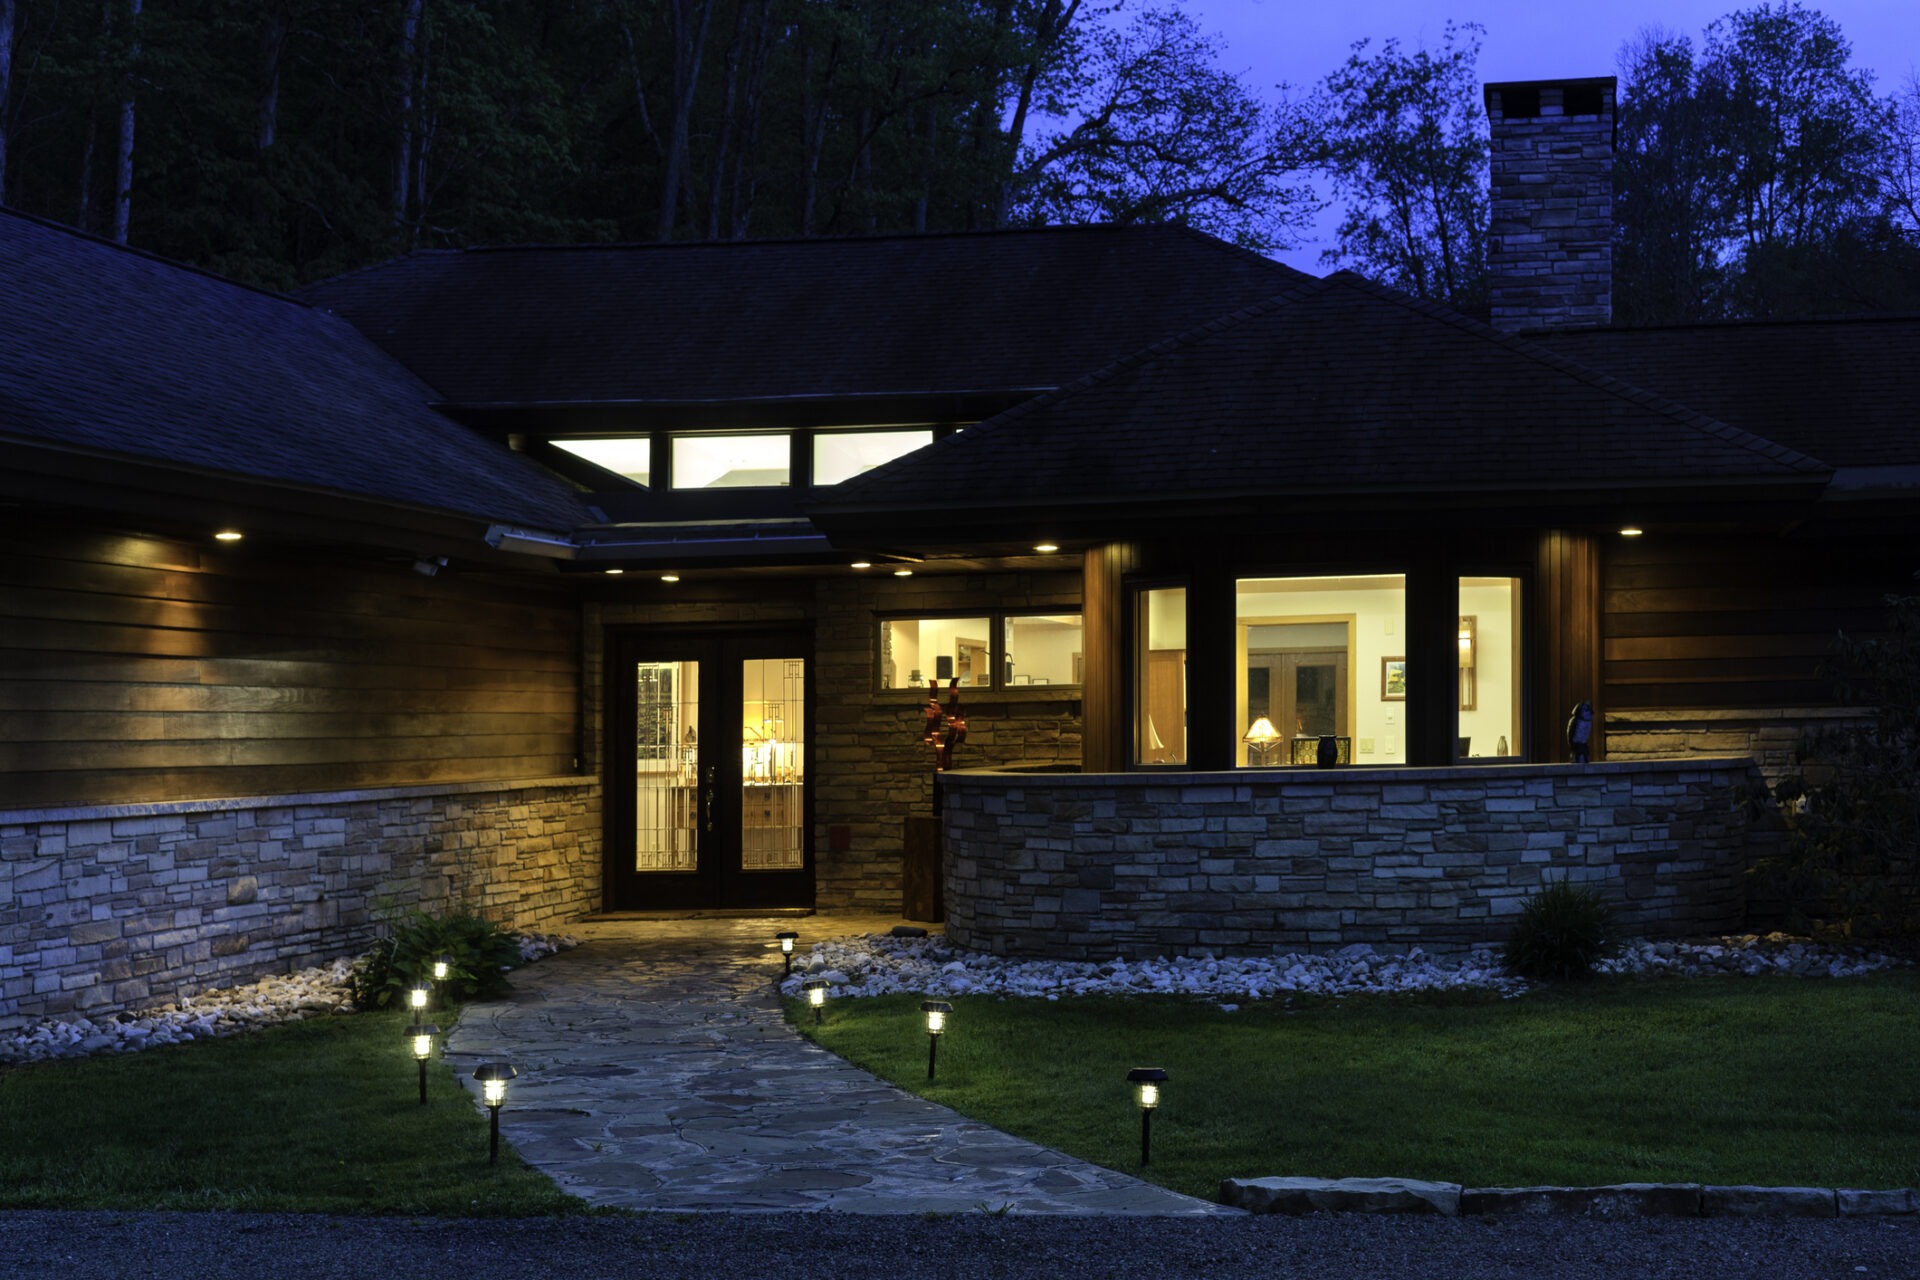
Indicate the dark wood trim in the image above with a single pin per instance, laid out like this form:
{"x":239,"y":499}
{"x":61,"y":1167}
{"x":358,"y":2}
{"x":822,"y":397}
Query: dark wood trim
{"x":1106,"y":727}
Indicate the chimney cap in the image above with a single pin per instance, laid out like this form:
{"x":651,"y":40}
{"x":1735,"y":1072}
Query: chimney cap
{"x":1551,"y":82}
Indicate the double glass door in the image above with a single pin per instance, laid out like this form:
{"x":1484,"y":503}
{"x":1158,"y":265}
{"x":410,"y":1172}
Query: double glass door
{"x":707,"y":751}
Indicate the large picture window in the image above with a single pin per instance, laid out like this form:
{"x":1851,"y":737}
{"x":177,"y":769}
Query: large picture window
{"x":1320,"y":657}
{"x":1490,"y":652}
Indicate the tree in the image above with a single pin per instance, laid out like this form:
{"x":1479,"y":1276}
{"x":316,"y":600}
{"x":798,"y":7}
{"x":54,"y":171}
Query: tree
{"x":6,"y":84}
{"x":1162,"y":134}
{"x":1899,"y":173}
{"x":1666,"y":227}
{"x":1405,"y":142}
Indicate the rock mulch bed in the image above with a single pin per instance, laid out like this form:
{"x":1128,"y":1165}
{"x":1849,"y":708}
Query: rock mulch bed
{"x":1631,"y":1199}
{"x":317,"y":992}
{"x":883,"y":964}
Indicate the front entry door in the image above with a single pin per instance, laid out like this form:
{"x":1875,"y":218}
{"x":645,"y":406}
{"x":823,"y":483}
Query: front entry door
{"x":707,"y":802}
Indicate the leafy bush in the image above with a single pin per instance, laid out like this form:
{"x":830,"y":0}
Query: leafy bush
{"x":1852,"y":809}
{"x":480,"y":953}
{"x":1562,"y":931}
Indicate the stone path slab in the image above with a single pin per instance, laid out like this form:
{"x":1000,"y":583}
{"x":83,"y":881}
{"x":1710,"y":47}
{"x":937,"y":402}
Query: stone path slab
{"x":656,"y":1072}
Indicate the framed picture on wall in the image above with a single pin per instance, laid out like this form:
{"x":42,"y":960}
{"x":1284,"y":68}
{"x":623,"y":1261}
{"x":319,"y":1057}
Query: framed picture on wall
{"x":1393,"y":679}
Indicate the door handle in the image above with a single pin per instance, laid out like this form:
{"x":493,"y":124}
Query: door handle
{"x":708,"y":806}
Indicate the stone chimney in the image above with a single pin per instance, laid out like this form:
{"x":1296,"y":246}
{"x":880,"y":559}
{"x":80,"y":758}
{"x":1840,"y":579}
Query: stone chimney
{"x":1549,"y":247}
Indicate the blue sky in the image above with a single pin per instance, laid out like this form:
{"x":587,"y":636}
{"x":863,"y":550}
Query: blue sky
{"x":1299,"y":41}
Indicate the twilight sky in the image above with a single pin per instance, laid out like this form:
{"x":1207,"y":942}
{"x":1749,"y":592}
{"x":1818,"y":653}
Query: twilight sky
{"x":1299,"y":41}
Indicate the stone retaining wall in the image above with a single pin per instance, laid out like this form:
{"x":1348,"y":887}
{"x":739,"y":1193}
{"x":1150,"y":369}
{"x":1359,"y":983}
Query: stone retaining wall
{"x":124,"y":906}
{"x":1089,"y":867}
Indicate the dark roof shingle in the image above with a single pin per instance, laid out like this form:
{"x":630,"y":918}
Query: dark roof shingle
{"x":749,"y":320}
{"x":113,"y":351}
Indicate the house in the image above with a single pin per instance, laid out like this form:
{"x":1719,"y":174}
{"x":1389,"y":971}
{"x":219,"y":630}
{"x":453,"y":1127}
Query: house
{"x":613,"y":578}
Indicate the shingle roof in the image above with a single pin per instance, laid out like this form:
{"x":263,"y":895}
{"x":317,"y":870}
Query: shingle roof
{"x":109,"y":350}
{"x":766,"y":319}
{"x":1334,"y":387}
{"x":1844,"y":390}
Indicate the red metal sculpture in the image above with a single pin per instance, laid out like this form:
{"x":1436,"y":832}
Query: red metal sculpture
{"x":945,"y":728}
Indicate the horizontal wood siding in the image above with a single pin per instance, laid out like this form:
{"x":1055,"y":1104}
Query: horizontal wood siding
{"x":135,"y":668}
{"x":1731,"y":623}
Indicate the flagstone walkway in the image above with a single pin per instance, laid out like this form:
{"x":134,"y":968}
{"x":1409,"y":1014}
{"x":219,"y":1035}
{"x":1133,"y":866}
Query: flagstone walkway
{"x":656,"y":1072}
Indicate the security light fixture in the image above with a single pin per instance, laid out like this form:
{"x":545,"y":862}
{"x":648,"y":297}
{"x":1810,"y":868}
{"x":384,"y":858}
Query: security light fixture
{"x":787,"y":939}
{"x":816,"y":989}
{"x":421,"y":1034}
{"x":936,"y":1011}
{"x":493,"y":1077}
{"x":1146,"y":1082}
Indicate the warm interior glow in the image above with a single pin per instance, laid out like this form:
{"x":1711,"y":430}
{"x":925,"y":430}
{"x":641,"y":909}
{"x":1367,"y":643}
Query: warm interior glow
{"x":630,"y":457}
{"x":731,"y":462}
{"x":842,"y":455}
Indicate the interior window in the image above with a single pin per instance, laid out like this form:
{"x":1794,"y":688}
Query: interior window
{"x":914,"y":651}
{"x":1489,"y":639}
{"x":1160,"y":676}
{"x":731,"y":462}
{"x":630,"y":457}
{"x":842,"y":455}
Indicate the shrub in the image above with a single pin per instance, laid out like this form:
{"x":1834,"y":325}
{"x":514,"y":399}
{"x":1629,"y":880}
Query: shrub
{"x":1562,"y":931}
{"x":1852,"y":809}
{"x":480,"y":952}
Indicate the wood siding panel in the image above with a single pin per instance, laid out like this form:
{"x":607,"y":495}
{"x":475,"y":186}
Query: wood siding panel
{"x":1567,"y":578}
{"x":138,"y":668}
{"x":1727,"y":623}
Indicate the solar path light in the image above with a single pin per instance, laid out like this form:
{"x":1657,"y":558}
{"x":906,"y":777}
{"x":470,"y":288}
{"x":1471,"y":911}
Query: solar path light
{"x":1146,"y":1083}
{"x":816,"y":989}
{"x":417,"y":996}
{"x":421,"y":1035}
{"x":493,"y":1077}
{"x":787,"y":940}
{"x":936,"y":1011}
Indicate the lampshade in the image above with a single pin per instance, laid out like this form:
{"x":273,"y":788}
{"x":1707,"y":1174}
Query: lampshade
{"x":1262,"y":732}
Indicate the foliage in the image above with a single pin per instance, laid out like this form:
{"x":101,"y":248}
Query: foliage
{"x":1777,"y":1080}
{"x":480,"y":956}
{"x":1562,"y":931}
{"x":1405,"y":141}
{"x":311,"y":1117}
{"x":1759,"y":178}
{"x":1160,"y":133}
{"x":1852,"y":808}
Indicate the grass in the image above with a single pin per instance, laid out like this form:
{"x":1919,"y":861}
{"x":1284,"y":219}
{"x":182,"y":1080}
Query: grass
{"x":320,"y":1116}
{"x":1770,"y":1082}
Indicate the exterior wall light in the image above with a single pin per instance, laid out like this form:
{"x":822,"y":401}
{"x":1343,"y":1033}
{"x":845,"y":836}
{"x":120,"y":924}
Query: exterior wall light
{"x":936,"y":1011}
{"x":903,"y":573}
{"x":1047,"y":548}
{"x":228,"y":535}
{"x":493,"y":1077}
{"x":613,"y":573}
{"x":1632,"y":531}
{"x":787,"y":939}
{"x":669,"y":577}
{"x":1146,"y":1082}
{"x":863,"y":564}
{"x":816,"y":989}
{"x":421,"y":1034}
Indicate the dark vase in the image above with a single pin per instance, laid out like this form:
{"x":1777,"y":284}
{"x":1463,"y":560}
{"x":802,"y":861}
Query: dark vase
{"x":1329,"y":752}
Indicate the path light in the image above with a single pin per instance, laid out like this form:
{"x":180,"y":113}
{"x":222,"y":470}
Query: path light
{"x":493,"y":1077}
{"x":787,"y":940}
{"x":936,"y":1011}
{"x":816,"y":989}
{"x":441,"y":964}
{"x":422,"y":1034}
{"x":1146,"y":1083}
{"x":417,"y":996}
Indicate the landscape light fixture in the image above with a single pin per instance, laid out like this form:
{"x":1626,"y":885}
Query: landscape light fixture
{"x":493,"y":1077}
{"x":441,"y":965}
{"x":1146,"y":1082}
{"x":936,"y":1011}
{"x":816,"y":989}
{"x":418,"y":995}
{"x":422,"y":1034}
{"x":787,"y":939}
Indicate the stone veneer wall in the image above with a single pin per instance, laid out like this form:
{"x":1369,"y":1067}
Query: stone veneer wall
{"x":1097,"y":866}
{"x":125,"y":906}
{"x":1768,"y":736}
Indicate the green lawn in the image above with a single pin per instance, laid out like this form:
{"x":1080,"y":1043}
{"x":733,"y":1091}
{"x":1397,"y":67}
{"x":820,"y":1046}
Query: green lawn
{"x":313,"y":1117}
{"x":1766,"y":1081}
